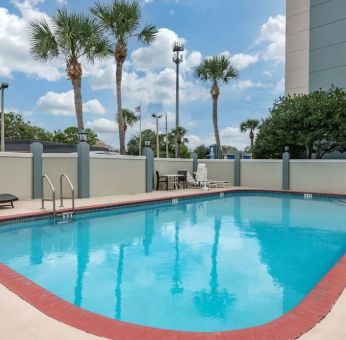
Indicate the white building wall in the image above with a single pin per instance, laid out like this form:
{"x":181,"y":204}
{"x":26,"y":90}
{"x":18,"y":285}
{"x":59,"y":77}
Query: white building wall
{"x":297,"y":46}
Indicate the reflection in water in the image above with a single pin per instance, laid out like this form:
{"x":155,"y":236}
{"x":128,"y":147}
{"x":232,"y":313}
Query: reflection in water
{"x":36,"y":253}
{"x":176,"y":279}
{"x":148,"y":231}
{"x":82,"y":249}
{"x":120,"y":269}
{"x":214,"y":302}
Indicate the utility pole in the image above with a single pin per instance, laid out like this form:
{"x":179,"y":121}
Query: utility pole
{"x":177,"y":59}
{"x":3,"y":86}
{"x":138,"y":109}
{"x":166,"y":137}
{"x":157,"y":117}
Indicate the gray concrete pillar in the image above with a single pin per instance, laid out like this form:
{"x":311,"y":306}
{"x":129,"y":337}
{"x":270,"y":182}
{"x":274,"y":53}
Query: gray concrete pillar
{"x":237,"y":169}
{"x":83,"y":170}
{"x":149,"y":169}
{"x":286,"y":169}
{"x":194,"y":157}
{"x":36,"y":149}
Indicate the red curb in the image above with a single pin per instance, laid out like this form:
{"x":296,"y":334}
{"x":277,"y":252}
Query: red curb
{"x":289,"y":326}
{"x":315,"y":306}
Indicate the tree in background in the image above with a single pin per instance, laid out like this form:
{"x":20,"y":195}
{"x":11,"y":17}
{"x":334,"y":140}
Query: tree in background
{"x":71,"y":136}
{"x":18,"y":129}
{"x":133,"y":143}
{"x":252,"y":125}
{"x":202,"y":151}
{"x":130,"y":118}
{"x":217,"y":70}
{"x":314,"y":121}
{"x":228,"y":149}
{"x":71,"y":36}
{"x":121,"y":19}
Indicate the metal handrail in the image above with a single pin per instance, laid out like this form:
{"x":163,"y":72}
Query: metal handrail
{"x":61,"y":190}
{"x":45,"y":177}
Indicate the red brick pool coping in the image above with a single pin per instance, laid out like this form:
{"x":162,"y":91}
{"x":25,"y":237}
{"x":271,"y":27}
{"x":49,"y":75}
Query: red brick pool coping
{"x":315,"y":306}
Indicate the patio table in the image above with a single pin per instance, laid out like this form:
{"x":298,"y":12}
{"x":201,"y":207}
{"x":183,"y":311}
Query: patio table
{"x":174,"y":180}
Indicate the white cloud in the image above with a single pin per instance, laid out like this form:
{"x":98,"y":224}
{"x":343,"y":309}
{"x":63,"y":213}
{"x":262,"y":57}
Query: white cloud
{"x":232,"y":136}
{"x":94,"y":106}
{"x":159,"y":54}
{"x":102,"y":125}
{"x":15,"y":44}
{"x":279,"y":87}
{"x":273,"y":34}
{"x":241,"y":61}
{"x":62,"y":104}
{"x":61,"y":2}
{"x":249,"y":84}
{"x":194,"y":141}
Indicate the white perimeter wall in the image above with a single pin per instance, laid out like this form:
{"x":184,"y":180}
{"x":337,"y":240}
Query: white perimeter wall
{"x":167,"y":166}
{"x":16,"y":174}
{"x":327,"y":176}
{"x":53,"y":165}
{"x":219,"y":169}
{"x":115,"y":175}
{"x":262,"y":174}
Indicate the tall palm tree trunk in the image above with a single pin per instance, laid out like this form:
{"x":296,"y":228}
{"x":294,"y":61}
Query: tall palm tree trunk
{"x":215,"y":95}
{"x":252,"y":136}
{"x":120,"y":56}
{"x":120,"y":118}
{"x":74,"y":73}
{"x":78,"y":103}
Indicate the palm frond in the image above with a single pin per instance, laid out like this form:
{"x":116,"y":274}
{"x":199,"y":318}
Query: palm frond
{"x":216,"y":69}
{"x":249,"y":124}
{"x":43,"y":43}
{"x":148,"y":34}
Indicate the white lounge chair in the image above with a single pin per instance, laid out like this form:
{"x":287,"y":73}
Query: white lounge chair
{"x":202,"y":179}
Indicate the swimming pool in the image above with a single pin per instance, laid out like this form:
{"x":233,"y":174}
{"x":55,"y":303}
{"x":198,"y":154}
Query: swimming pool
{"x":207,"y":264}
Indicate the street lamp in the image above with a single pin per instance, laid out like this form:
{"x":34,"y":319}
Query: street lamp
{"x":3,"y":86}
{"x":83,"y":136}
{"x":157,"y":133}
{"x":147,"y":143}
{"x":177,"y":59}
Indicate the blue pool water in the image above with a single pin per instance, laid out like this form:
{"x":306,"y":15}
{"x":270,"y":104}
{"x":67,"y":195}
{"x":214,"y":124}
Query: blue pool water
{"x":203,"y":265}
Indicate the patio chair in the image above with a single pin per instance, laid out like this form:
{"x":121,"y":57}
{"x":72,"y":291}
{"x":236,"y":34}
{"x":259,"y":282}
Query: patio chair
{"x":202,"y":179}
{"x":161,"y":179}
{"x":182,"y":180}
{"x":8,"y":199}
{"x":191,"y":181}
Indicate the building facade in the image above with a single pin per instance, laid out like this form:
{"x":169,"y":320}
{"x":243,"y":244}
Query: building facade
{"x":315,"y":45}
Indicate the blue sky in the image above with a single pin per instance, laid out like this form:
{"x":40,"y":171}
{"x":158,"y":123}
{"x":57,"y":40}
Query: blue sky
{"x":250,"y":32}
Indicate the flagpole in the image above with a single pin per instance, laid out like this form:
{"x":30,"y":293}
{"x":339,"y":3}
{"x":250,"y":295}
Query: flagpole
{"x":140,"y":129}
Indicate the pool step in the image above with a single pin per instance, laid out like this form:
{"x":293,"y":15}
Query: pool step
{"x":64,"y":218}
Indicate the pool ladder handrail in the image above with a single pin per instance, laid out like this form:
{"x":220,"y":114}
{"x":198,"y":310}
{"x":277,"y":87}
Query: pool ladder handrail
{"x":64,"y":176}
{"x":45,"y":177}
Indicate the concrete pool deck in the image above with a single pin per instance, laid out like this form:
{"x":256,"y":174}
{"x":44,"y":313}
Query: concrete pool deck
{"x":19,"y":319}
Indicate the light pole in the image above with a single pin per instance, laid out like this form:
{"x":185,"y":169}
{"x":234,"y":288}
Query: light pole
{"x":177,"y":59}
{"x":166,"y":137}
{"x":157,"y":134}
{"x":3,"y":86}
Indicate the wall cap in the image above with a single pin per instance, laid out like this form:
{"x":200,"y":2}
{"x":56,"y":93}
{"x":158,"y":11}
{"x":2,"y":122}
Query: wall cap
{"x":124,"y":157}
{"x":173,"y":159}
{"x":16,"y":154}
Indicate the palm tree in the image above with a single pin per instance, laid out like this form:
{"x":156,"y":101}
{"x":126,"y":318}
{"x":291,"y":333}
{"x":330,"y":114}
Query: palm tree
{"x":250,"y":124}
{"x":129,"y":119}
{"x":218,"y":70}
{"x":70,"y":36}
{"x":121,"y":20}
